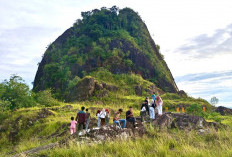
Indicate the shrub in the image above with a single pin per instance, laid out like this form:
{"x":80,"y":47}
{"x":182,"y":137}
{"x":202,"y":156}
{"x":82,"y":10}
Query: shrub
{"x":196,"y":109}
{"x":45,"y":98}
{"x":15,"y":93}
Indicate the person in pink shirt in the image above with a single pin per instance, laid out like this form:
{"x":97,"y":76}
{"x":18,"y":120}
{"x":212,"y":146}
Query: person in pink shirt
{"x":73,"y":126}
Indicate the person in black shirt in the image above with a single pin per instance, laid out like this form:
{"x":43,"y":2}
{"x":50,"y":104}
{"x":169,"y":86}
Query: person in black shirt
{"x":130,"y":117}
{"x":145,"y":104}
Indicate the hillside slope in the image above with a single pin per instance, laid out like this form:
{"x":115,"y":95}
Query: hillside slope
{"x":112,"y":39}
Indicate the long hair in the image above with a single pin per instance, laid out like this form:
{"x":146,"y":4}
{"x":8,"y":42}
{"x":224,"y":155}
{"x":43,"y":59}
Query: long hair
{"x":98,"y":111}
{"x":158,"y":99}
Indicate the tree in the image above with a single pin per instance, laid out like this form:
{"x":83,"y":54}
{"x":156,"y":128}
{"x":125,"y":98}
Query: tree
{"x":16,"y":93}
{"x":214,"y":100}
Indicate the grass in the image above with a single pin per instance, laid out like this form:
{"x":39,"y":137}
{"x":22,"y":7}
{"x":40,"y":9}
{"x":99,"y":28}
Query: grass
{"x":160,"y":143}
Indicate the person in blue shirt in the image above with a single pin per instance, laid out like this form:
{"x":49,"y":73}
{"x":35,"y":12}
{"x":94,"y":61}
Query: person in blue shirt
{"x":153,"y":96}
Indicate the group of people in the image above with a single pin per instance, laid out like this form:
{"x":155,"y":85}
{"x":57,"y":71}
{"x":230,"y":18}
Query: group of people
{"x":82,"y":119}
{"x":148,"y":108}
{"x":103,"y":116}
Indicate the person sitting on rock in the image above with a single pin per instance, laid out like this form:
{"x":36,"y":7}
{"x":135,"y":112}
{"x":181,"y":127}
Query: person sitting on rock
{"x":107,"y":116}
{"x":130,"y":117}
{"x":87,"y":119}
{"x":81,"y":117}
{"x":73,"y":125}
{"x":103,"y":117}
{"x":159,"y":104}
{"x":117,"y":121}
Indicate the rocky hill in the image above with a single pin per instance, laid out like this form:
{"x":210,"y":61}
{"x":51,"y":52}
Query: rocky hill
{"x":116,"y":40}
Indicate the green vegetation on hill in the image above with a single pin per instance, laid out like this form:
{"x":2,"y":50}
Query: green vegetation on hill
{"x":113,"y":39}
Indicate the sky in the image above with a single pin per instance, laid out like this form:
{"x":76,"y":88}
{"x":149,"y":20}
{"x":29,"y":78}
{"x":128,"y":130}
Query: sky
{"x":195,"y":37}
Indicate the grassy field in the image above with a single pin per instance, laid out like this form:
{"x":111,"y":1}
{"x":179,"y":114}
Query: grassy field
{"x":159,"y":143}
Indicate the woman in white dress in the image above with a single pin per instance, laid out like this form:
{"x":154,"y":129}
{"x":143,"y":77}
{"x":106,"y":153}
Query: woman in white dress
{"x":159,"y":104}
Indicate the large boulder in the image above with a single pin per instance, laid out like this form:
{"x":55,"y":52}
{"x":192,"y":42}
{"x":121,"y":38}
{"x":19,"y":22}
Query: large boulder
{"x":163,"y":121}
{"x":184,"y":121}
{"x":138,"y":90}
{"x":113,"y":131}
{"x":187,"y":122}
{"x":83,"y":90}
{"x":182,"y":94}
{"x":223,"y":110}
{"x":152,"y":88}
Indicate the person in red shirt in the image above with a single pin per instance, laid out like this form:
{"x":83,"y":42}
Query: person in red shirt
{"x":81,"y":119}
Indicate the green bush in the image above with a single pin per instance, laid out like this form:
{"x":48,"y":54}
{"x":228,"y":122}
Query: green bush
{"x":196,"y":109}
{"x":15,"y":93}
{"x":215,"y":116}
{"x":45,"y":98}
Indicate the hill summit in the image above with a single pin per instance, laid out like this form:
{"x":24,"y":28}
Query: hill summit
{"x":111,"y":39}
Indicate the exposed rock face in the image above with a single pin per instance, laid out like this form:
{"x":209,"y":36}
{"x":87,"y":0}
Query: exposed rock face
{"x":152,"y":89}
{"x":163,"y":121}
{"x":188,"y":122}
{"x":83,"y":89}
{"x":89,"y":87}
{"x":224,"y":111}
{"x":138,"y":90}
{"x":182,"y":93}
{"x":184,"y":121}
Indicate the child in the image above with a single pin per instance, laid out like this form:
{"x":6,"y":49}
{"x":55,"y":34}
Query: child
{"x":73,"y":126}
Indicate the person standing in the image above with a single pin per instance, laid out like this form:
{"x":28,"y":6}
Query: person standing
{"x":146,"y":104}
{"x":73,"y":125}
{"x":152,"y":111}
{"x":98,"y":118}
{"x":87,"y":119}
{"x":153,"y":96}
{"x":107,"y":117}
{"x":130,"y":117}
{"x":143,"y":112}
{"x":81,"y":119}
{"x":117,"y":121}
{"x":103,"y":117}
{"x":159,"y":104}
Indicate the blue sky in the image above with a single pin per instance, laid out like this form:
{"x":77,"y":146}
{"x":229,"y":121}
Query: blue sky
{"x":195,"y":37}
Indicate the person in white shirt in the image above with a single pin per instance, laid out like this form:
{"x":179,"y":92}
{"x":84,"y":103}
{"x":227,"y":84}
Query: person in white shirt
{"x":152,"y":111}
{"x":98,"y":118}
{"x":103,"y":117}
